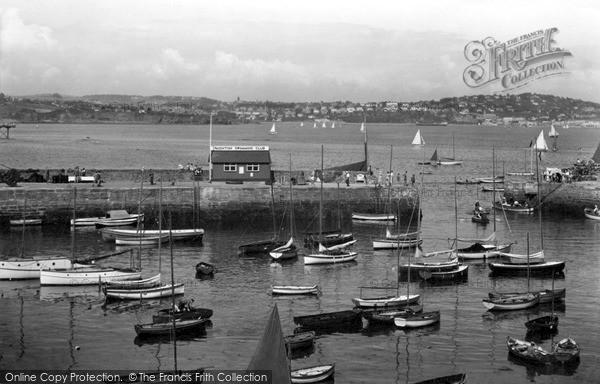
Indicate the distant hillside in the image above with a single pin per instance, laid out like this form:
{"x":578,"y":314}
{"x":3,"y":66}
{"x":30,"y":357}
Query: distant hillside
{"x":527,"y":108}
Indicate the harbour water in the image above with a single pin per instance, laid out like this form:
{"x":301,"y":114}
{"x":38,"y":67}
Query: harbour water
{"x":73,"y":328}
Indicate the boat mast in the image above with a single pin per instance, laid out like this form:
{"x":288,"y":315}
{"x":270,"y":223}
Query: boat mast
{"x":160,"y":197}
{"x":321,"y":198}
{"x":527,"y":262}
{"x":291,"y":202}
{"x":23,"y":226}
{"x":366,"y":151}
{"x":73,"y":229}
{"x":273,"y":210}
{"x":389,"y":202}
{"x":173,"y":329}
{"x":494,"y":189}
{"x":537,"y":176}
{"x":210,"y":164}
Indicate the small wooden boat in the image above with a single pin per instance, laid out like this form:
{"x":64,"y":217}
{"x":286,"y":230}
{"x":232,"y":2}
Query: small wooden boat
{"x":166,"y":314}
{"x":387,"y":316}
{"x":450,"y":263}
{"x":565,"y":350}
{"x":25,"y":222}
{"x":110,"y":234}
{"x":398,"y":241}
{"x":312,"y":374}
{"x":385,"y":301}
{"x":119,"y":217}
{"x":148,"y":240}
{"x":461,"y":272}
{"x":417,"y":320}
{"x":134,"y":284}
{"x":295,"y":290}
{"x":159,"y":329}
{"x":164,"y":290}
{"x":459,"y":378}
{"x":328,"y":319}
{"x":590,"y":214}
{"x":374,"y":217}
{"x":543,"y":324}
{"x":203,"y":268}
{"x":546,"y":296}
{"x":85,"y":221}
{"x":528,"y":351}
{"x":263,"y":246}
{"x":547,"y":267}
{"x":513,"y":208}
{"x":527,"y":300}
{"x":300,"y":340}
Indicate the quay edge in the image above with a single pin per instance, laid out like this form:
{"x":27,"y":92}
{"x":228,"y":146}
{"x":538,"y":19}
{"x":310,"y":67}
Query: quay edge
{"x":202,"y":203}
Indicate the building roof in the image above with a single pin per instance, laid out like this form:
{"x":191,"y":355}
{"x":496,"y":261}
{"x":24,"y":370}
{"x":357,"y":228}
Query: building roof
{"x":237,"y":157}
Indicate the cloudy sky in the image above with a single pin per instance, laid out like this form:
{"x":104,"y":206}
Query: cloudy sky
{"x":309,"y":50}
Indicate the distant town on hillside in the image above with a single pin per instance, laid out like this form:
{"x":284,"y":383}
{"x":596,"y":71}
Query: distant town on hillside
{"x":497,"y":109}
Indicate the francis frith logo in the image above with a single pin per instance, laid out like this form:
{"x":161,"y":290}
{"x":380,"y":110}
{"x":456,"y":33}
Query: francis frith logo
{"x":516,"y":62}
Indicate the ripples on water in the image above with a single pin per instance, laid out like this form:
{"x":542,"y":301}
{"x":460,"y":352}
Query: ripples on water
{"x":42,"y":326}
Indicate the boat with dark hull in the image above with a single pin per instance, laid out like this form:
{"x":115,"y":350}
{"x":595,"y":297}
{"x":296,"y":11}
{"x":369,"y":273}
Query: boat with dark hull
{"x":329,"y":319}
{"x":181,"y":326}
{"x":166,"y":314}
{"x":528,"y":351}
{"x":459,"y":378}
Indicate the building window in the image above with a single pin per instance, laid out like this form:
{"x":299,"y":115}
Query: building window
{"x":252,"y":167}
{"x":229,"y":167}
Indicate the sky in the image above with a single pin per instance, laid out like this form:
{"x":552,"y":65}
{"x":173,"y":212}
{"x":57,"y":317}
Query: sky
{"x":289,"y":51}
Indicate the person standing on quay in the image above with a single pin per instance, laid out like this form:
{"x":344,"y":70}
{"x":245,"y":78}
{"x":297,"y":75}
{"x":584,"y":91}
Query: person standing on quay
{"x":347,"y":179}
{"x":412,"y":179}
{"x":405,"y":176}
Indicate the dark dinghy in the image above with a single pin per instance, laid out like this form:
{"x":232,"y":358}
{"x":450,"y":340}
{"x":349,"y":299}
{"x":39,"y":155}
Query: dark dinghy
{"x":165,"y":315}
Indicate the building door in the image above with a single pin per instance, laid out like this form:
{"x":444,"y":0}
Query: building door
{"x":241,"y":170}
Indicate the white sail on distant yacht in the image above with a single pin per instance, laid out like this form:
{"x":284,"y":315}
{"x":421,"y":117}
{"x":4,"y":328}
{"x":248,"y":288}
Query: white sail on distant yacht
{"x":418,"y":140}
{"x":333,"y":125}
{"x":273,"y":131}
{"x":540,"y":143}
{"x":323,"y":126}
{"x":553,"y":133}
{"x":362,"y":127}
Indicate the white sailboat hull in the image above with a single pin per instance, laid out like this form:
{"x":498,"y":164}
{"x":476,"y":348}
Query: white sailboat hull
{"x":177,"y":234}
{"x":395,"y":244}
{"x":330,"y":259}
{"x":86,"y":276}
{"x":164,"y":290}
{"x":29,"y":268}
{"x":388,"y":301}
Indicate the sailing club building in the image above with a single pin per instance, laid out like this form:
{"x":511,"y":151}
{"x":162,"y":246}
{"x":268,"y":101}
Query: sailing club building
{"x":240,"y":163}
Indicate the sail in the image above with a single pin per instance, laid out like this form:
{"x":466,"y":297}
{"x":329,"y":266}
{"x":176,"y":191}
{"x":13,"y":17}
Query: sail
{"x":540,"y":143}
{"x":418,"y":140}
{"x":362,"y":127}
{"x":336,"y":247}
{"x":287,"y":245}
{"x":315,"y":125}
{"x":271,"y":352}
{"x":488,"y":239}
{"x":273,"y":131}
{"x":434,"y":157}
{"x":553,"y":133}
{"x":302,"y":124}
{"x":333,"y":125}
{"x":323,"y":126}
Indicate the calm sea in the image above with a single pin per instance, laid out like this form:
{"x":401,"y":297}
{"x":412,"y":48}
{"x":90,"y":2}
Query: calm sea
{"x":73,"y":328}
